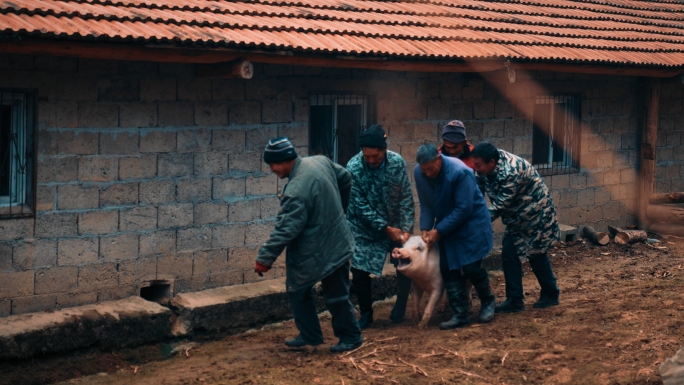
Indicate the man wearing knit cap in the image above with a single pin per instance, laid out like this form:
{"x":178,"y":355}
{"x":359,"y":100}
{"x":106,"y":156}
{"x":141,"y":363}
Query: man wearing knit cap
{"x":380,"y":215}
{"x":311,"y":225}
{"x":455,"y":144}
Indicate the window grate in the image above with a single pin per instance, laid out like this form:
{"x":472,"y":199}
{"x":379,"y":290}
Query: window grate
{"x":556,"y":134}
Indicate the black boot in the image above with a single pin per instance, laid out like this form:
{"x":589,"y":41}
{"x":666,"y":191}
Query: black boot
{"x":541,"y":267}
{"x":299,"y":342}
{"x":487,"y":299}
{"x":510,"y":305}
{"x":404,"y":287}
{"x":346,"y":346}
{"x":458,"y":303}
{"x":362,"y":286}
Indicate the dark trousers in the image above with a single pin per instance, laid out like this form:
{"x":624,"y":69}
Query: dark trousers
{"x":540,"y":264}
{"x":362,"y":285}
{"x":336,"y":295}
{"x":457,"y":278}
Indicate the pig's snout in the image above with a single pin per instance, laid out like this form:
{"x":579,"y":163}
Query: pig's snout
{"x":397,"y":253}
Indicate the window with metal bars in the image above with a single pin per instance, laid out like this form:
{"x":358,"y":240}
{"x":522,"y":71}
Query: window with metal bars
{"x":556,"y":134}
{"x":335,"y":122}
{"x":17,"y":153}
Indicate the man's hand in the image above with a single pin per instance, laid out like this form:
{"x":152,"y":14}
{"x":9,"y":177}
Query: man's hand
{"x":395,"y":234}
{"x":405,"y":237}
{"x":260,"y":269}
{"x":424,"y":235}
{"x":431,"y":238}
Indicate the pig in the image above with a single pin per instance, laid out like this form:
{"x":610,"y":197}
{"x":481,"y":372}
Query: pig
{"x":421,"y":264}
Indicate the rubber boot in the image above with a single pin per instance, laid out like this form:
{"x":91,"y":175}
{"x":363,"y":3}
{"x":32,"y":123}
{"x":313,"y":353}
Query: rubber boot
{"x":459,"y":305}
{"x":487,"y":299}
{"x":541,"y":267}
{"x":510,"y":305}
{"x":362,"y":285}
{"x":404,"y":287}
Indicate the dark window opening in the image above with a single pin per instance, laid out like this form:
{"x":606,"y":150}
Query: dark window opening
{"x":156,"y":292}
{"x":556,"y":135}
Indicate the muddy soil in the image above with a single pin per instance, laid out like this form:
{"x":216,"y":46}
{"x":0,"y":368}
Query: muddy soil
{"x":621,"y":315}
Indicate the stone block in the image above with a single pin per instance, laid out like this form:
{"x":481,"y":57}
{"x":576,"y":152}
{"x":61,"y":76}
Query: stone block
{"x":462,"y":111}
{"x":98,"y":222}
{"x":119,"y":143}
{"x":77,"y":143}
{"x":174,"y":164}
{"x":276,"y":111}
{"x":611,"y":177}
{"x":242,"y":258}
{"x":137,"y":115}
{"x":425,"y":132}
{"x":16,"y":284}
{"x":138,"y":218}
{"x":157,"y":191}
{"x":120,"y":89}
{"x":211,"y":212}
{"x":245,"y":210}
{"x":483,"y":109}
{"x":98,"y":169}
{"x":194,"y":190}
{"x":136,"y":271}
{"x":98,"y":115}
{"x":71,"y":197}
{"x":77,"y":251}
{"x":45,"y":198}
{"x":56,"y":280}
{"x":263,"y":185}
{"x":68,"y":300}
{"x":34,"y":304}
{"x":194,"y":239}
{"x":119,"y":194}
{"x":568,"y":198}
{"x":227,"y":189}
{"x":228,"y":236}
{"x":227,"y":89}
{"x":195,"y":140}
{"x":270,"y":207}
{"x":52,"y":169}
{"x":211,"y":114}
{"x":493,"y":129}
{"x":52,"y":225}
{"x":473,"y":89}
{"x":16,"y":228}
{"x":248,"y":112}
{"x":211,"y":163}
{"x":157,"y":141}
{"x":258,"y":233}
{"x":175,"y":215}
{"x":585,"y":196}
{"x":194,"y":90}
{"x":160,"y":242}
{"x":97,"y":277}
{"x":230,"y":278}
{"x":250,"y":162}
{"x":210,"y":262}
{"x":32,"y":254}
{"x":256,"y":139}
{"x":157,"y":89}
{"x":628,"y":176}
{"x":137,"y":167}
{"x":170,"y":267}
{"x":176,"y":114}
{"x":119,"y":247}
{"x":228,"y":140}
{"x":119,"y":292}
{"x":6,"y":256}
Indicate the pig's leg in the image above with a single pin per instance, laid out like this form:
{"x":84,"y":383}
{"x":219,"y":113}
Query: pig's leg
{"x":432,"y":303}
{"x":417,"y":296}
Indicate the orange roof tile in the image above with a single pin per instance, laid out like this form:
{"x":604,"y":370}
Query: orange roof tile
{"x":634,"y":32}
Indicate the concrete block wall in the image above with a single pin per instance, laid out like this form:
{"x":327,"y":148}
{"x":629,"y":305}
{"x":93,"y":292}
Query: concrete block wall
{"x":147,"y":173}
{"x":669,"y":154}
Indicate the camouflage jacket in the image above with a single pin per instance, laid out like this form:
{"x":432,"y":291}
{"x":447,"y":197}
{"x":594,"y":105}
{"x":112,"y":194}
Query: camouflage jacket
{"x":375,"y":203}
{"x":520,"y":197}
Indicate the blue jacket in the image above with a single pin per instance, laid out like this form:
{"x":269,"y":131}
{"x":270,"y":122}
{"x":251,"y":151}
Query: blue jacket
{"x":457,"y":209}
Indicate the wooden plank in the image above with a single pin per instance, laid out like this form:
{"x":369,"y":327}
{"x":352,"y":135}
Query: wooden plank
{"x":676,"y":197}
{"x":668,"y":214}
{"x":649,"y":138}
{"x":667,"y":228}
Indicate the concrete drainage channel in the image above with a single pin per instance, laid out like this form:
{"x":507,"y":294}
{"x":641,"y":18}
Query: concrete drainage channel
{"x":136,"y":321}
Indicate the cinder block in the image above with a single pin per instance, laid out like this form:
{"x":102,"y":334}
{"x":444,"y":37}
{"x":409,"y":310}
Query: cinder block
{"x":297,"y":133}
{"x":628,"y":176}
{"x":157,"y":191}
{"x":5,"y":307}
{"x":138,"y":218}
{"x":228,"y":236}
{"x":119,"y":89}
{"x":611,"y":177}
{"x":244,"y":113}
{"x":270,"y":207}
{"x":47,"y":141}
{"x":256,"y":139}
{"x":136,"y":271}
{"x":194,"y":140}
{"x":174,"y":164}
{"x":98,"y":67}
{"x":245,"y":162}
{"x":194,"y":90}
{"x":157,"y":141}
{"x":258,"y":233}
{"x":493,"y":129}
{"x":276,"y":111}
{"x":439,"y":110}
{"x":194,"y":239}
{"x":245,"y":210}
{"x":175,"y":215}
{"x":5,"y":256}
{"x":119,"y":194}
{"x":230,"y":278}
{"x":264,"y":185}
{"x":425,"y":132}
{"x":16,"y":284}
{"x":53,"y":225}
{"x":194,"y":190}
{"x":160,"y":242}
{"x":56,"y":280}
{"x":211,"y":114}
{"x":568,"y":198}
{"x":473,"y":89}
{"x":137,"y":115}
{"x":228,"y":140}
{"x":227,"y":89}
{"x":75,"y":299}
{"x":176,"y":114}
{"x":77,"y":251}
{"x":56,"y":63}
{"x":119,"y":247}
{"x":98,"y":222}
{"x":157,"y":89}
{"x":119,"y":143}
{"x":32,"y":254}
{"x":242,"y":257}
{"x":98,"y":169}
{"x":118,"y":292}
{"x":45,"y":198}
{"x":211,"y":163}
{"x":97,"y":277}
{"x":11,"y":229}
{"x":98,"y":115}
{"x":34,"y":304}
{"x":138,"y":167}
{"x":174,"y":266}
{"x":210,"y":262}
{"x":228,"y":188}
{"x":210,"y":212}
{"x":585,"y":196}
{"x":70,"y":197}
{"x":301,"y":110}
{"x":77,"y":143}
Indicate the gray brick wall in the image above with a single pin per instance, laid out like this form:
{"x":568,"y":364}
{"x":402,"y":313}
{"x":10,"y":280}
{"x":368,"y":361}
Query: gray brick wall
{"x":146,"y":173}
{"x":669,"y":156}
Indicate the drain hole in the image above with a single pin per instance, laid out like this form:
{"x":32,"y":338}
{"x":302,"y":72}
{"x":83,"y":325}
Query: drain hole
{"x":158,"y":292}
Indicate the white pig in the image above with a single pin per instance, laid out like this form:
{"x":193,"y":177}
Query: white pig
{"x":422,"y":266}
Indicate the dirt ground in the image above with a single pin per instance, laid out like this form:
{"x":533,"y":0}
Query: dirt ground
{"x":621,"y":315}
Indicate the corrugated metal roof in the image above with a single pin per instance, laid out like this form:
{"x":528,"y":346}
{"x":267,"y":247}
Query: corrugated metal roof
{"x":597,"y":31}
